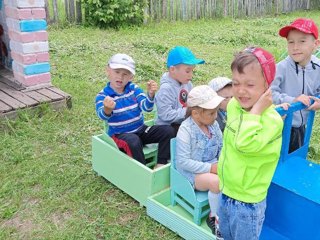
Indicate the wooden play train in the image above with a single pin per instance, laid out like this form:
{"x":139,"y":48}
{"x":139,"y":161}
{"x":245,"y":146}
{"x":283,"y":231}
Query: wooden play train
{"x":293,"y":201}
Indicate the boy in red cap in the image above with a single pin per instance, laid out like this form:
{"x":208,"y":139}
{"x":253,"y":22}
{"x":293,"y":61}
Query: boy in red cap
{"x":251,"y":146}
{"x":298,"y":76}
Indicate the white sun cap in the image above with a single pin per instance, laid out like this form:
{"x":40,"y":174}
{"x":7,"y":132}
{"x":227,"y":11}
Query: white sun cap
{"x":203,"y":96}
{"x":124,"y":61}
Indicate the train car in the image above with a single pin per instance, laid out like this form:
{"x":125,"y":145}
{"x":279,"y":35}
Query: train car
{"x":293,"y":202}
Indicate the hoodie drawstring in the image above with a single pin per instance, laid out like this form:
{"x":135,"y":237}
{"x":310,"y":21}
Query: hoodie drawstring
{"x":297,"y":69}
{"x":314,"y":65}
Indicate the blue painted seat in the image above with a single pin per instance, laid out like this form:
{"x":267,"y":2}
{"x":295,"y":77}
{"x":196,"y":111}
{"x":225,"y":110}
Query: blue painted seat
{"x":293,"y":201}
{"x":182,"y":192}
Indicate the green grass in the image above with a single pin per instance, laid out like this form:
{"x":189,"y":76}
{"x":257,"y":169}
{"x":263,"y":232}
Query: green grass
{"x":48,"y":189}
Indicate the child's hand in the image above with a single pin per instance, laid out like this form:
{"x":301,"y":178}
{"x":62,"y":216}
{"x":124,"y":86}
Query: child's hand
{"x":108,"y":105}
{"x":304,"y":99}
{"x":316,"y":105}
{"x":263,"y":103}
{"x":214,"y":168}
{"x":285,"y":106}
{"x":152,"y":87}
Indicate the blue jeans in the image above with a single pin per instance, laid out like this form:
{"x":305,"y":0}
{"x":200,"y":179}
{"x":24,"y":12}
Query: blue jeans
{"x":239,"y":220}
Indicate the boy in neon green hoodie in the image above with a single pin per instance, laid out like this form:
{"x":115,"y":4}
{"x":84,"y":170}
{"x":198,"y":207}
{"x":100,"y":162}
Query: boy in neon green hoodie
{"x":251,"y":146}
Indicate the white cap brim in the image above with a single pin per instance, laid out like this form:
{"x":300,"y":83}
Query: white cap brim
{"x":213,"y":103}
{"x":118,"y":66}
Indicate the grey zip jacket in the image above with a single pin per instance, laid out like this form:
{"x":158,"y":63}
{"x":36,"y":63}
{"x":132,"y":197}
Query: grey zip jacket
{"x":171,"y":100}
{"x":292,"y":80}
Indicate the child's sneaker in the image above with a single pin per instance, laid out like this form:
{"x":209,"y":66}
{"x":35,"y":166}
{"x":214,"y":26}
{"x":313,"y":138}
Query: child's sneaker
{"x":211,"y":224}
{"x":217,"y":232}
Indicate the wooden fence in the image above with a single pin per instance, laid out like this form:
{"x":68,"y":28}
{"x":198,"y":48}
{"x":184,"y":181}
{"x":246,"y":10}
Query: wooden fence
{"x":173,"y":10}
{"x":196,"y":9}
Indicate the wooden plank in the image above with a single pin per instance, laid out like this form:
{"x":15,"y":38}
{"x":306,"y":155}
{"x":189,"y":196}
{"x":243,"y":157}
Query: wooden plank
{"x":4,"y":107}
{"x":57,"y":106}
{"x":20,"y":96}
{"x":50,"y":94}
{"x":58,"y":91}
{"x":38,"y":96}
{"x":11,"y":101}
{"x":66,"y":95}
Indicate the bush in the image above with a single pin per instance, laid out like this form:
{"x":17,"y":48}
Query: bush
{"x":114,"y":13}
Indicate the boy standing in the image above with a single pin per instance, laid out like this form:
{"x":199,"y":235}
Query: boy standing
{"x":121,"y":103}
{"x":171,"y":99}
{"x":298,"y":76}
{"x":223,"y":87}
{"x":251,"y":146}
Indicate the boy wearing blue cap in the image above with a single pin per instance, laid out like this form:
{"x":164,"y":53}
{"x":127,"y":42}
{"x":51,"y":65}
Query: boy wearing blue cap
{"x":171,"y":99}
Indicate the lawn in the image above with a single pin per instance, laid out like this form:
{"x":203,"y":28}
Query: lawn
{"x":48,"y":189}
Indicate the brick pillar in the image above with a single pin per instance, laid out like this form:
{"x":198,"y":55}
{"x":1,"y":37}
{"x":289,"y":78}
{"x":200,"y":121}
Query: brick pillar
{"x":26,"y":21}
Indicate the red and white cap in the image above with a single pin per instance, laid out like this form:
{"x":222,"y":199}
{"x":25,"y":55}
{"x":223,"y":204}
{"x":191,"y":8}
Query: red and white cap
{"x":266,"y":61}
{"x":301,"y":24}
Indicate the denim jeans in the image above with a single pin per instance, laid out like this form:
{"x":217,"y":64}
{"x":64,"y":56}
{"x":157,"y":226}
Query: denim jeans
{"x":239,"y":220}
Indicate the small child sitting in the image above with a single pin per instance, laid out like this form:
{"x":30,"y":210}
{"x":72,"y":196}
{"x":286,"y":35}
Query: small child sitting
{"x":121,"y":103}
{"x":223,"y":87}
{"x":175,"y":85}
{"x":297,"y":76}
{"x":198,"y":145}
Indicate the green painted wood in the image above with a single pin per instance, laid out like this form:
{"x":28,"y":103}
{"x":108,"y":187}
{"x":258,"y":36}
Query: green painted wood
{"x":176,"y":218}
{"x":127,"y":174}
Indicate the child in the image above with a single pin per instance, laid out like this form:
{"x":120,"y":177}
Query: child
{"x":223,"y":87}
{"x":251,"y":146}
{"x":174,"y":87}
{"x":121,"y":103}
{"x":198,"y":144}
{"x":297,"y":76}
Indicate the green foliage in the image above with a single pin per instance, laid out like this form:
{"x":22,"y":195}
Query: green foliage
{"x":114,"y":13}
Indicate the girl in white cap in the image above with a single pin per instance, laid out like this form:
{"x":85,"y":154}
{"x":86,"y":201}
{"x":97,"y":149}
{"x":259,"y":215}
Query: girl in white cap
{"x":199,"y":142}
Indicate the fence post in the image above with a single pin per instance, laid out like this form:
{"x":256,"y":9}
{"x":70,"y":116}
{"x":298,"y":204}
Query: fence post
{"x":46,"y":8}
{"x":55,"y":11}
{"x":71,"y":10}
{"x":66,"y":8}
{"x":78,"y":12}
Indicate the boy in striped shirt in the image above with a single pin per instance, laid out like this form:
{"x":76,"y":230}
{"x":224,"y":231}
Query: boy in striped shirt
{"x":121,"y":104}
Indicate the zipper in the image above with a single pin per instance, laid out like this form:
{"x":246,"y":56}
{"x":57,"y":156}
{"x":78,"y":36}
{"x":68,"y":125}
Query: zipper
{"x":303,"y":80}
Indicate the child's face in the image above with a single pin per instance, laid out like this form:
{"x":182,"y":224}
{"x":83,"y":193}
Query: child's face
{"x":225,"y":92}
{"x":204,"y":117}
{"x":182,"y":73}
{"x":118,"y":78}
{"x":249,"y":85}
{"x":301,"y":46}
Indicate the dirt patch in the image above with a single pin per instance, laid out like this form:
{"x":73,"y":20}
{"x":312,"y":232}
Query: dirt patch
{"x":24,"y":227}
{"x":59,"y":219}
{"x":125,"y":218}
